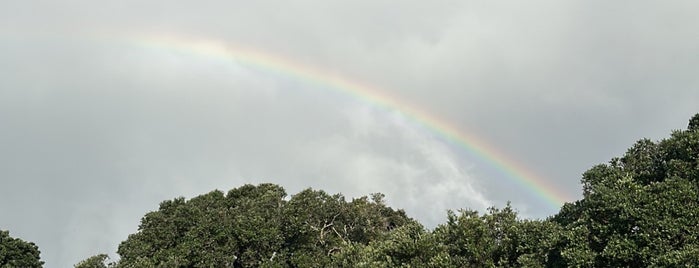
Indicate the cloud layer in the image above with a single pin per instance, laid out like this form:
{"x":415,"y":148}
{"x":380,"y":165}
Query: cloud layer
{"x":97,"y":130}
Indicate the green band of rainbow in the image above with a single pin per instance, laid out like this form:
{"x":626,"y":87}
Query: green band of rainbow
{"x":367,"y":94}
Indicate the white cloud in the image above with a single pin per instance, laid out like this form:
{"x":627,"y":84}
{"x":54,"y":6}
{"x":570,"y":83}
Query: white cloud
{"x":92,"y":122}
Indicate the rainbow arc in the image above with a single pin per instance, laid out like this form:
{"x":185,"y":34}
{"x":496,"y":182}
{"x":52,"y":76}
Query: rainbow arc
{"x":367,"y":94}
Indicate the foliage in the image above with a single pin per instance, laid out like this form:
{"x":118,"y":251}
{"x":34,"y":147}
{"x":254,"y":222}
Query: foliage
{"x":256,"y":226}
{"x":15,"y":252}
{"x":97,"y":261}
{"x":638,"y":210}
{"x":407,"y":246}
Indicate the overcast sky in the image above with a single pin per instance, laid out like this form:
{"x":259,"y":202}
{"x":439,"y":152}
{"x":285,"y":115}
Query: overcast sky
{"x":96,"y":130}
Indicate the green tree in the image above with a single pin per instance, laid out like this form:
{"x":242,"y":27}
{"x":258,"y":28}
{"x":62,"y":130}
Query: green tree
{"x":693,"y":123}
{"x":242,"y":228}
{"x":256,"y":226}
{"x":538,"y":244}
{"x":409,"y":245}
{"x":318,"y":225}
{"x":97,"y":261}
{"x":15,"y":252}
{"x":638,"y":210}
{"x":473,"y":240}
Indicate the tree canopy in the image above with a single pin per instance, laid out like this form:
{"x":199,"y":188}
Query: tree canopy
{"x":637,"y":210}
{"x":15,"y":252}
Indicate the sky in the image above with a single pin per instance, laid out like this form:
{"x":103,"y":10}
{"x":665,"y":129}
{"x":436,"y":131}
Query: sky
{"x":107,"y":109}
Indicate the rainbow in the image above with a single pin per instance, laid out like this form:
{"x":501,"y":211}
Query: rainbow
{"x":367,"y":94}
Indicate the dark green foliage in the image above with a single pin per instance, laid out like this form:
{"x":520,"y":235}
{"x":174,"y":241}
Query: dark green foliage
{"x":498,"y":238}
{"x":240,"y":228}
{"x":256,"y":226}
{"x":15,"y":252}
{"x":407,"y":246}
{"x":468,"y":239}
{"x":471,"y":238}
{"x":97,"y":261}
{"x":317,"y":225}
{"x":693,"y":123}
{"x":639,"y":210}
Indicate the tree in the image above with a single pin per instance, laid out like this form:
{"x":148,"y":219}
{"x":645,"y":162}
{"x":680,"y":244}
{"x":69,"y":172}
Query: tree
{"x":97,"y":261}
{"x":15,"y":252}
{"x":409,"y":245}
{"x":638,"y":210}
{"x":256,"y":226}
{"x":693,"y":123}
{"x":240,"y":229}
{"x":473,"y":240}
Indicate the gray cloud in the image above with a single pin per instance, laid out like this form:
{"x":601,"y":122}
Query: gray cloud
{"x":96,"y":131}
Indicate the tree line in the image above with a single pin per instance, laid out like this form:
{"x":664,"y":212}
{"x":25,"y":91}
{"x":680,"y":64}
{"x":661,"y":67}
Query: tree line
{"x":640,"y":209}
